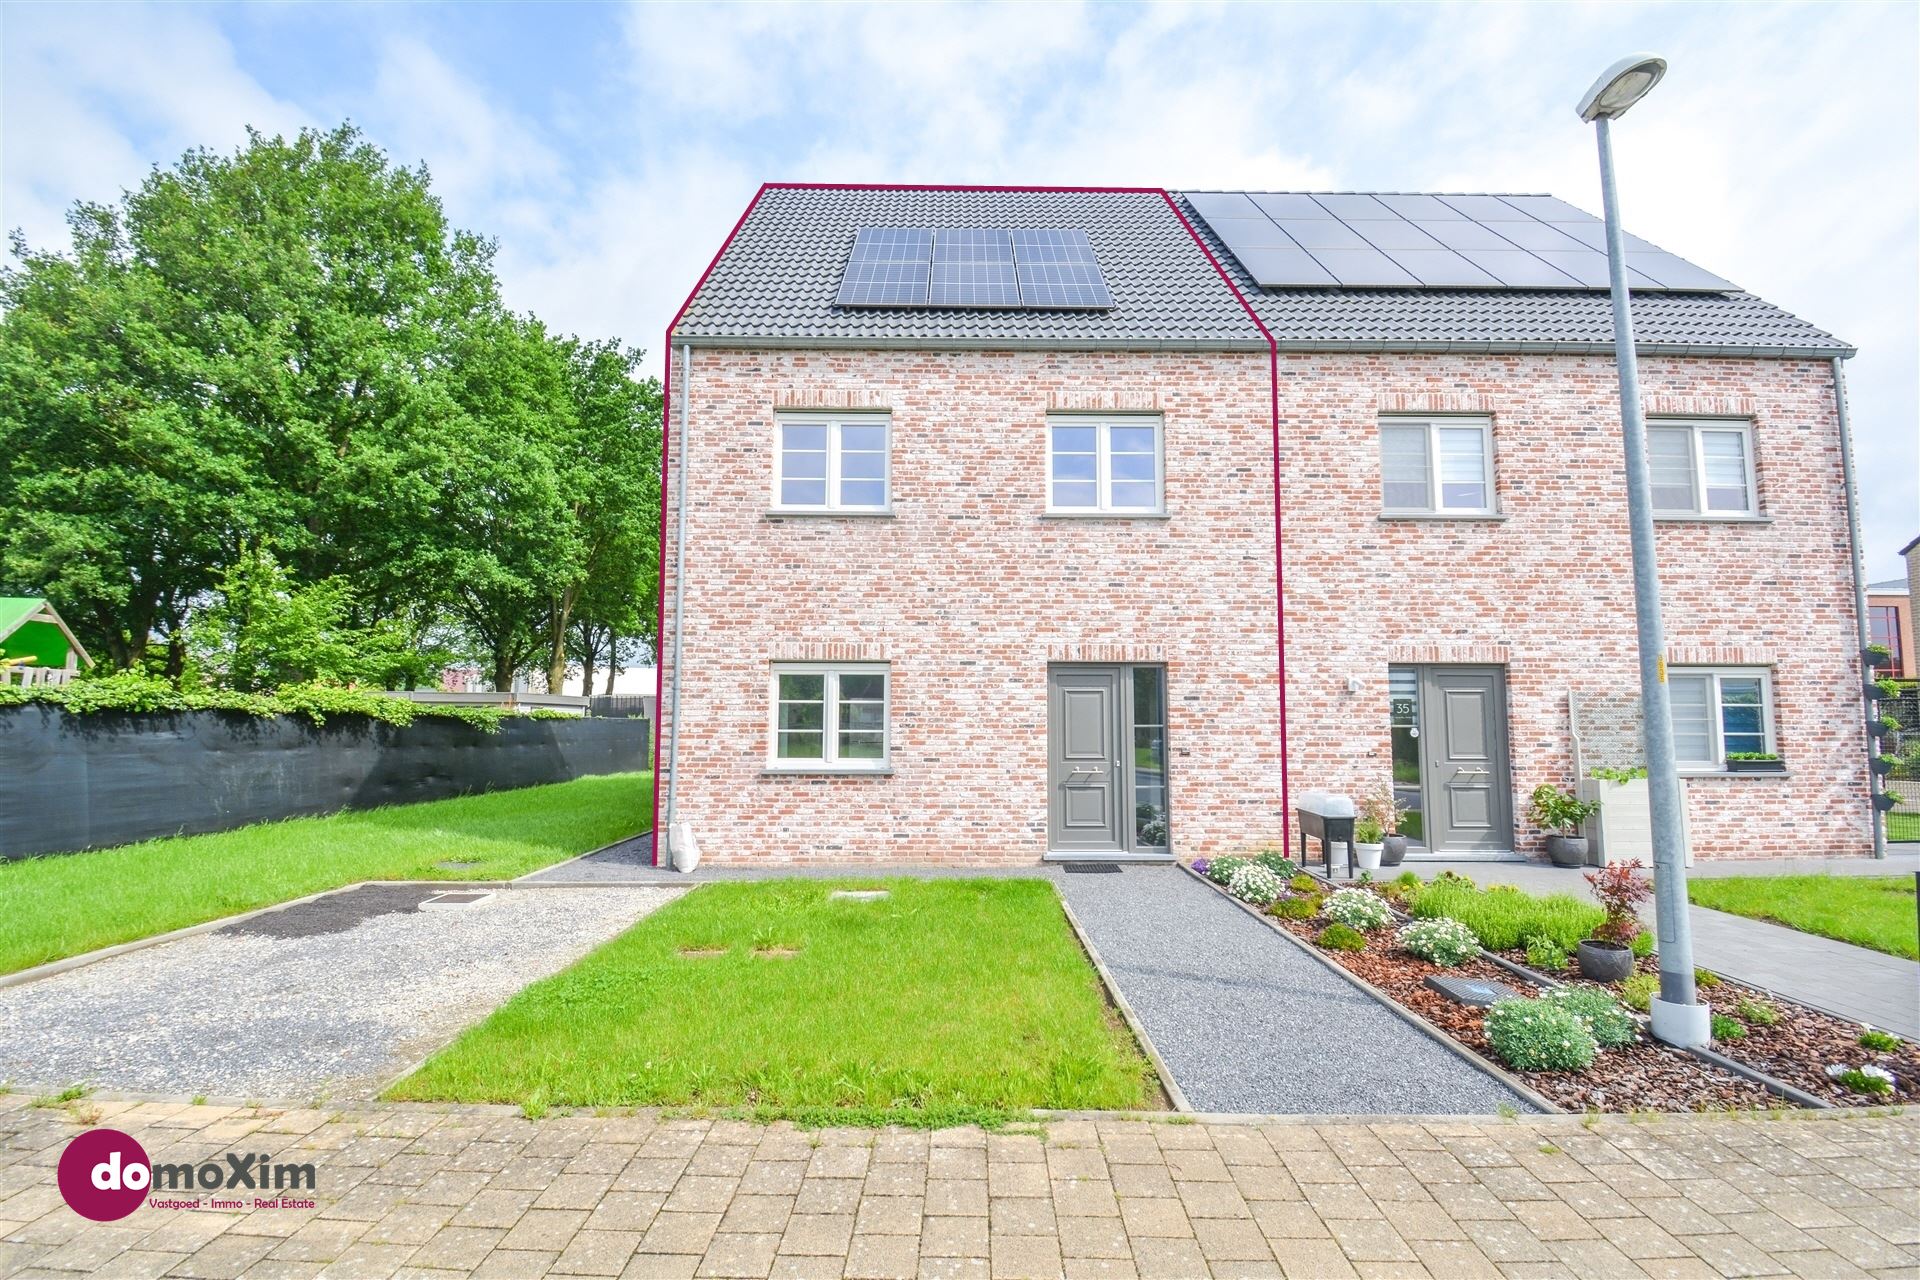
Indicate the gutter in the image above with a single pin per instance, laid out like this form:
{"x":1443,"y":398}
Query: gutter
{"x":1859,"y":599}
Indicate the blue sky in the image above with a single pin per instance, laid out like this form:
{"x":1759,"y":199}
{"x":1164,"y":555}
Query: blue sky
{"x":610,"y":147}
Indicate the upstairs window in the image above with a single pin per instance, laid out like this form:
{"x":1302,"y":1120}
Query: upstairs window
{"x":1701,"y":468}
{"x":1718,"y":710}
{"x":1436,"y":466}
{"x":832,"y":463}
{"x":1100,"y":466}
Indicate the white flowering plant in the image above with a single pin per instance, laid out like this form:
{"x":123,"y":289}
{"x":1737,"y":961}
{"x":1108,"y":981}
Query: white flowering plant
{"x":1220,"y":870}
{"x":1539,"y":1035}
{"x":1254,"y":883}
{"x":1440,"y":941}
{"x":1357,"y":909}
{"x":1868,"y":1079}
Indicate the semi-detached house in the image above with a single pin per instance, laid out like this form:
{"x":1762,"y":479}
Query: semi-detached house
{"x":1009,"y":523}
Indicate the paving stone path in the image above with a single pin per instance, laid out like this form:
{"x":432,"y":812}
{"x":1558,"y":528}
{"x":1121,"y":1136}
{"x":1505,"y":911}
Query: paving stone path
{"x":441,"y":1192}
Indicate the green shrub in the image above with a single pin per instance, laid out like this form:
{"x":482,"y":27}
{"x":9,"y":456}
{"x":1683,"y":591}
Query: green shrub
{"x":1638,"y":991}
{"x":1501,"y":919}
{"x":1756,"y":1013}
{"x":1278,"y":863}
{"x":1357,"y":909}
{"x":1443,"y":942}
{"x":1726,"y":1027}
{"x":1609,"y":1024}
{"x":1642,"y":945}
{"x":136,"y":691}
{"x":1304,"y":883}
{"x":1546,"y":954}
{"x":1338,"y":937}
{"x":1296,"y":907}
{"x":1878,"y":1041}
{"x":1706,"y":978}
{"x":1538,"y":1035}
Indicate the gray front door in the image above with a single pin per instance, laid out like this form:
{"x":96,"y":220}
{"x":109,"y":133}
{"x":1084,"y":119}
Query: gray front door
{"x":1086,"y":810}
{"x":1469,"y":800}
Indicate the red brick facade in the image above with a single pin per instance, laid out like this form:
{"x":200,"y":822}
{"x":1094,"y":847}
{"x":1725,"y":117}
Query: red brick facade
{"x":969,"y":591}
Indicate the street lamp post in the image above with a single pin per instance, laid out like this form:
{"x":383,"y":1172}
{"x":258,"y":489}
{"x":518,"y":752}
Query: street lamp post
{"x":1678,"y":1017}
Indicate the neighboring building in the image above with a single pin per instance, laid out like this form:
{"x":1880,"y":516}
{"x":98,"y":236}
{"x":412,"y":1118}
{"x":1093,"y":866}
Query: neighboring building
{"x":985,"y":500}
{"x":36,"y":645}
{"x":1890,"y":623}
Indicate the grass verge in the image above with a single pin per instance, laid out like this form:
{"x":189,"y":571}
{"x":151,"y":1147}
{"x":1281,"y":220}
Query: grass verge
{"x":1868,"y":911}
{"x":1503,"y":917}
{"x":66,"y":904}
{"x":949,"y":1001}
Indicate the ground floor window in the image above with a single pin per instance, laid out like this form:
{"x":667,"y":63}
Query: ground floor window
{"x":829,"y":716}
{"x":1717,"y":712}
{"x":1403,"y":716}
{"x":1150,"y":757}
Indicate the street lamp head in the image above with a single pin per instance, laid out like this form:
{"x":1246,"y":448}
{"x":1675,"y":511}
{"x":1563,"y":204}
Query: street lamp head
{"x":1621,"y":85}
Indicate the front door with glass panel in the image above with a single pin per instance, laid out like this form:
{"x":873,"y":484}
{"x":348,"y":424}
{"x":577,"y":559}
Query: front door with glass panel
{"x":1450,"y":770}
{"x":1106,"y":760}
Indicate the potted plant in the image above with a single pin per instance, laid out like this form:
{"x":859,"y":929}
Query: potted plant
{"x":1884,"y":764}
{"x":1367,"y":836}
{"x":1755,"y":762}
{"x":1607,"y":956}
{"x":1560,"y":813}
{"x":1380,"y":806}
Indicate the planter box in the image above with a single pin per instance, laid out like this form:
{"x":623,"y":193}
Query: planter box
{"x":72,"y":782}
{"x":1623,"y":829}
{"x":1756,"y":766}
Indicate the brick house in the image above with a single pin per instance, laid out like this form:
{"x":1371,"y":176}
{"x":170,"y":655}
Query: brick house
{"x":1042,"y":522}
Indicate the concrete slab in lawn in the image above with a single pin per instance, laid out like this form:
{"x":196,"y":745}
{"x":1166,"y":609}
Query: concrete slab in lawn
{"x":330,"y":997}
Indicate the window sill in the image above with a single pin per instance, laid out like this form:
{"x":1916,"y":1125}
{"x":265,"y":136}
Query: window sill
{"x":1106,"y":515}
{"x":825,"y":771}
{"x":1678,"y":518}
{"x":857,"y":513}
{"x":1493,"y":517}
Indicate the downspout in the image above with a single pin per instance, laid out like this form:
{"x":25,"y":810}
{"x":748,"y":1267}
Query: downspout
{"x":1859,"y":601}
{"x":679,"y":612}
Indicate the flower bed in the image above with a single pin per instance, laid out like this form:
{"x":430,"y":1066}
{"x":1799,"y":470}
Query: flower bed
{"x":1641,"y":1076}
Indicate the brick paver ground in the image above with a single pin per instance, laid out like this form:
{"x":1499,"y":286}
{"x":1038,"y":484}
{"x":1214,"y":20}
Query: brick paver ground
{"x":426,"y":1192}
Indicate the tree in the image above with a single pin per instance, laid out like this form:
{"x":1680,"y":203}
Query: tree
{"x":609,"y":467}
{"x":249,"y":345}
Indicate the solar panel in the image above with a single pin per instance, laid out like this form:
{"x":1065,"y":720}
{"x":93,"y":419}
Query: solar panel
{"x":1290,"y":239}
{"x":974,"y":284}
{"x":1064,"y":285}
{"x":1031,"y":267}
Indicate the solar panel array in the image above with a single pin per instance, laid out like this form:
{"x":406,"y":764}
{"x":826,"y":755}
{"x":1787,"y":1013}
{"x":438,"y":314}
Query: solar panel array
{"x":1029,"y":269}
{"x":1289,"y":240}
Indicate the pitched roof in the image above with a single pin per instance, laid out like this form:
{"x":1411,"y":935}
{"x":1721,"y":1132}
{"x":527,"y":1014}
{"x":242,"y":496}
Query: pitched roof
{"x":776,"y":284}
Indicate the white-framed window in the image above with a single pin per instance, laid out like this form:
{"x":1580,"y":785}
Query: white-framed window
{"x":1100,"y":466}
{"x":1701,"y":468}
{"x":1436,"y":466}
{"x":831,"y":462}
{"x":1717,"y":711}
{"x":829,"y":716}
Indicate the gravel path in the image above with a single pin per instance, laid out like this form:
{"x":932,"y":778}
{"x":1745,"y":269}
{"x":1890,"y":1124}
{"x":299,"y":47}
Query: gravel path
{"x":1248,"y":1023}
{"x":329,"y":998}
{"x":626,"y":862}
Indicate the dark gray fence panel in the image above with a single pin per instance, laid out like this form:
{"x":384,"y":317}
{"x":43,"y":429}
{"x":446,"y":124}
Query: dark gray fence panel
{"x":76,"y":782}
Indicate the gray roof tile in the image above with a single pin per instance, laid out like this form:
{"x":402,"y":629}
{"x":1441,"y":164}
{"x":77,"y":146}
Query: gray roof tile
{"x":778,"y":280}
{"x":776,"y":285}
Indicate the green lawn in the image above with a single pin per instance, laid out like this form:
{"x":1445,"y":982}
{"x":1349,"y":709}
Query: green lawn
{"x":949,"y":1001}
{"x":1868,"y":911}
{"x":65,"y":904}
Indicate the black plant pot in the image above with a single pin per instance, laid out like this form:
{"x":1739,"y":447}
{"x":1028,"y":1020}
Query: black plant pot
{"x":1393,"y":850}
{"x":1567,"y":851}
{"x":1603,"y":961}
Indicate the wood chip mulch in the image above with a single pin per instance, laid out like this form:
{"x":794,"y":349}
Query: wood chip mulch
{"x":1637,"y":1077}
{"x":1797,"y":1049}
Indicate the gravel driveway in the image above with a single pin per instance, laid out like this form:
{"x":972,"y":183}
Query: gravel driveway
{"x":1249,"y":1023}
{"x":329,"y":998}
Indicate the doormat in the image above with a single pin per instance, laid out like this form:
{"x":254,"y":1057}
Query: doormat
{"x":1092,"y":868}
